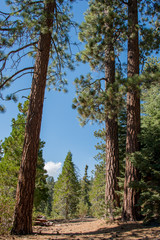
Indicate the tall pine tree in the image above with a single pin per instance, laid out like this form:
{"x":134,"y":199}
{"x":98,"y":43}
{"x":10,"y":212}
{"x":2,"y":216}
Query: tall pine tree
{"x":130,"y":209}
{"x":148,"y":42}
{"x":100,"y":99}
{"x":39,"y":28}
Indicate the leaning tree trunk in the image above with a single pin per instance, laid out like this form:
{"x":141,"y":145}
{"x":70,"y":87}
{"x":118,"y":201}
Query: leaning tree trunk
{"x":111,"y":125}
{"x":130,"y":210}
{"x":26,"y":183}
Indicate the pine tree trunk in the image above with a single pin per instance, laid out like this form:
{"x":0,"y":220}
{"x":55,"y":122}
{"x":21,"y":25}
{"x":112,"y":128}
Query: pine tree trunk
{"x":26,"y":183}
{"x":112,"y":153}
{"x":130,"y":210}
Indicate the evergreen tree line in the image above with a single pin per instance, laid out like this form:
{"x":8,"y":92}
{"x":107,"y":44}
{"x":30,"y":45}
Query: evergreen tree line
{"x":40,"y":29}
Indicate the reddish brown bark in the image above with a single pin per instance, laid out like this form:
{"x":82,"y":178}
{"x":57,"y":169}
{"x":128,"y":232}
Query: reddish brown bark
{"x":130,"y":210}
{"x":112,"y":153}
{"x":26,"y":183}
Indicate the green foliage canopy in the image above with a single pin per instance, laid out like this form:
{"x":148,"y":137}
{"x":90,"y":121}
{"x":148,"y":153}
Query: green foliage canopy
{"x":20,"y":30}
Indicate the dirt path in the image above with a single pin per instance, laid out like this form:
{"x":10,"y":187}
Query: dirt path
{"x":91,"y":229}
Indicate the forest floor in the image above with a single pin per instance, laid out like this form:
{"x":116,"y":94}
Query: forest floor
{"x":90,"y":229}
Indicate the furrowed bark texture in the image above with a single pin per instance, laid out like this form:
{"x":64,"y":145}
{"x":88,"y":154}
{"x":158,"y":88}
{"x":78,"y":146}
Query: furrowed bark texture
{"x":130,"y":210}
{"x":112,"y":153}
{"x":26,"y":183}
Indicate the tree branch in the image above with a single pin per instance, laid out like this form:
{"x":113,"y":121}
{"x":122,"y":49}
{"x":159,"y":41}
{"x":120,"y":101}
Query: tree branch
{"x":10,"y":78}
{"x":59,"y":60}
{"x":14,"y":51}
{"x":3,"y":13}
{"x":17,"y":61}
{"x":6,"y":29}
{"x":24,"y":89}
{"x":22,"y":75}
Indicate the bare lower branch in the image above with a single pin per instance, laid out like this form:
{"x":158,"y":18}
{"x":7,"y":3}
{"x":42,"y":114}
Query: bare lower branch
{"x":15,"y":51}
{"x":24,"y":89}
{"x":16,"y":62}
{"x":10,"y":78}
{"x":20,"y":90}
{"x":7,"y":29}
{"x":25,"y":97}
{"x":19,"y":49}
{"x":22,"y":75}
{"x":58,"y":56}
{"x":3,"y":13}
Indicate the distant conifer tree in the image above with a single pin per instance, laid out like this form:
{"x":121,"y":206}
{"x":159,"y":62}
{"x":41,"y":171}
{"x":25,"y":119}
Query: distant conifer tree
{"x":84,"y":202}
{"x":66,"y":191}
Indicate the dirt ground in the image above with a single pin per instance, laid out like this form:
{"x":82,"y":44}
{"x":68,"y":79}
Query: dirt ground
{"x":91,"y":229}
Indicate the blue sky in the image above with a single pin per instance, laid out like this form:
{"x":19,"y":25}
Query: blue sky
{"x":60,"y":127}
